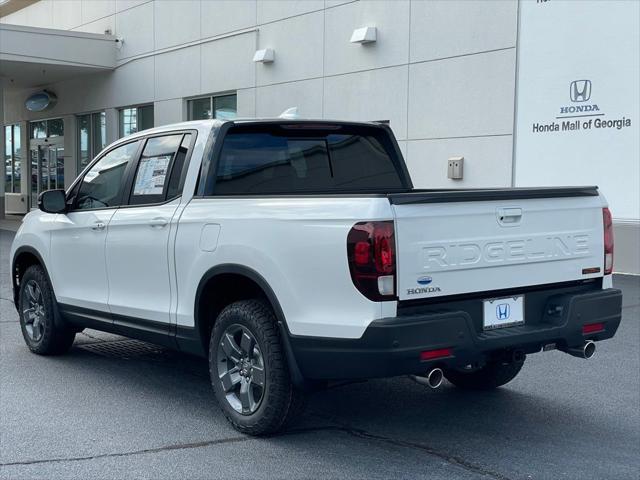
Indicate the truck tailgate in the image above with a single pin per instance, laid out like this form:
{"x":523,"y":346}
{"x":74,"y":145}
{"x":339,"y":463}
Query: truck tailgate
{"x":457,"y":242}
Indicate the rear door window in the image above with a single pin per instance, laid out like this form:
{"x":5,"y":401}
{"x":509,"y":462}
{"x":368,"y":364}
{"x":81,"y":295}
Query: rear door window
{"x":274,"y":158}
{"x":159,"y":169}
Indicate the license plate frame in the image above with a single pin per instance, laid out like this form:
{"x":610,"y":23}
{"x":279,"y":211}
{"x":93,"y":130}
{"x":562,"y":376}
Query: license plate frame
{"x":503,"y":312}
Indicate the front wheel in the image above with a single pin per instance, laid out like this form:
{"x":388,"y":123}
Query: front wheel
{"x":249,"y":371}
{"x":492,"y":375}
{"x":38,"y":311}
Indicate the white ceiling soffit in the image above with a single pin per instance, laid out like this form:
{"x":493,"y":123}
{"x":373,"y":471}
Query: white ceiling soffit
{"x":31,"y":56}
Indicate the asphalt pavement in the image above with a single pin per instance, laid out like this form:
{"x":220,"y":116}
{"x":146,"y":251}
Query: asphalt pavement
{"x":117,"y":408}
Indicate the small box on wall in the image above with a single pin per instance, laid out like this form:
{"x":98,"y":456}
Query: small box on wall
{"x":15,"y":203}
{"x":455,"y":168}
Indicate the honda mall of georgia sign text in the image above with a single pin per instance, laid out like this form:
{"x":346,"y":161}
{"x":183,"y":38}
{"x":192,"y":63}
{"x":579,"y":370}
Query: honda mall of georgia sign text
{"x":581,"y":112}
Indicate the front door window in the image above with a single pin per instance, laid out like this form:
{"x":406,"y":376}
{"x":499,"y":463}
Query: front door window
{"x":102,"y":185}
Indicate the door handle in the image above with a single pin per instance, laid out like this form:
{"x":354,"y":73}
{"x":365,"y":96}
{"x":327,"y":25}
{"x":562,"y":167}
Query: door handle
{"x":509,"y":216}
{"x":98,"y":226}
{"x":158,"y":222}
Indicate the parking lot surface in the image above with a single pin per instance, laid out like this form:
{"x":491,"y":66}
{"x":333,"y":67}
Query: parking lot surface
{"x":118,"y":408}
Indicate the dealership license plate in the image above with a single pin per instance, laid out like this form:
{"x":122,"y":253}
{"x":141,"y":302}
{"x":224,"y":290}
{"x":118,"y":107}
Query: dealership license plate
{"x":503,"y":312}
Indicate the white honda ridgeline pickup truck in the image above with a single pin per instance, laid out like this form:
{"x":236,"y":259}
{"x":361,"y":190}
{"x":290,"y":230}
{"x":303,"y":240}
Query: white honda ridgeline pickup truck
{"x":292,"y":253}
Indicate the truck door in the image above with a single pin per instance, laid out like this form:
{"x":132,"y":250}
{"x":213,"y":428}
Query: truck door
{"x":78,"y":237}
{"x":138,"y":252}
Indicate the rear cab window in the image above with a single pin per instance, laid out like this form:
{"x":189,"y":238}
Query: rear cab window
{"x":276,"y":158}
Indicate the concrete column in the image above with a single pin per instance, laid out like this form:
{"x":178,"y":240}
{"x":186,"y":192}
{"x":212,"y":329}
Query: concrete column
{"x":111,"y":119}
{"x":626,"y":252}
{"x":25,"y":177}
{"x":169,"y":111}
{"x":2,"y":167}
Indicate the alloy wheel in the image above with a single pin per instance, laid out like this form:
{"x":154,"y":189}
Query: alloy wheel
{"x":33,"y":311}
{"x":241,"y":369}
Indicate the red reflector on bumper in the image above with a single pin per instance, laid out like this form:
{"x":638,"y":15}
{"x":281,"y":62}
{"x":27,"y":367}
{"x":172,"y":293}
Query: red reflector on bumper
{"x":433,"y":354}
{"x":592,"y":328}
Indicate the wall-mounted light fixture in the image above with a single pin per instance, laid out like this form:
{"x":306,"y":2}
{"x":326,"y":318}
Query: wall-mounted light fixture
{"x":40,"y":101}
{"x":364,"y":35}
{"x":266,"y":55}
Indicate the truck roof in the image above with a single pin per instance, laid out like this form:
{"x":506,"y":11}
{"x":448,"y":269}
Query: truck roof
{"x":216,"y":123}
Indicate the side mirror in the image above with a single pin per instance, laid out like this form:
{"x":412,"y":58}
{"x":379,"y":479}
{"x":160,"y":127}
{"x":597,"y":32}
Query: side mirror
{"x":52,"y":201}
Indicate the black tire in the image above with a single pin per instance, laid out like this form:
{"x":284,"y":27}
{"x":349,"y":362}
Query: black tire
{"x":49,"y":338}
{"x":492,"y":375}
{"x":280,"y":402}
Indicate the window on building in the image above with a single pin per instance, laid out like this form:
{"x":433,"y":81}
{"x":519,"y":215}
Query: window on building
{"x":46,"y":156}
{"x":55,"y":128}
{"x":38,"y":129}
{"x":12,"y":158}
{"x":91,"y":137}
{"x":223,"y":107}
{"x":47,"y":128}
{"x":135,"y":119}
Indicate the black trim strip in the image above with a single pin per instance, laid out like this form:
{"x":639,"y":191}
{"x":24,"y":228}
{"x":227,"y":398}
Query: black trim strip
{"x":478,"y":195}
{"x":158,"y":333}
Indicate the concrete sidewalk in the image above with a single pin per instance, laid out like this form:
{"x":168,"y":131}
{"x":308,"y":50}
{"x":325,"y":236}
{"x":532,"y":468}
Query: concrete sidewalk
{"x":12,"y":223}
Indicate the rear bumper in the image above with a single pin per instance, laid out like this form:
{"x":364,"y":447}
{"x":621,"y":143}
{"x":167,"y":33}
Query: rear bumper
{"x":392,"y":346}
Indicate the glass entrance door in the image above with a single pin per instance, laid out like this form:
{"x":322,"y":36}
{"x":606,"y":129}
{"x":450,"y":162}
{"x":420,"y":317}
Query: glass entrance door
{"x":47,"y":166}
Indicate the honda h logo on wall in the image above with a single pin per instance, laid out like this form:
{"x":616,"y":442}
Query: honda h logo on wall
{"x":580,"y":90}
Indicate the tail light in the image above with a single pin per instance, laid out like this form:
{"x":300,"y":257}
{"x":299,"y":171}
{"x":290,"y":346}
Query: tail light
{"x":371,"y":252}
{"x":608,"y":241}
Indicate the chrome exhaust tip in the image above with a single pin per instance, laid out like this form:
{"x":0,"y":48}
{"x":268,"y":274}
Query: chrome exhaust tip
{"x":432,"y":379}
{"x":435,"y":377}
{"x":587,"y":350}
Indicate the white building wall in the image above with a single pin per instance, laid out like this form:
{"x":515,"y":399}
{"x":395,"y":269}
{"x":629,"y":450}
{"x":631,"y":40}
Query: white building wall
{"x":600,"y":45}
{"x":442,"y":72}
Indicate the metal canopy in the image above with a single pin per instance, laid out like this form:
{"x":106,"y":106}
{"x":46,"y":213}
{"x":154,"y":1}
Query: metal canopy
{"x":31,"y":57}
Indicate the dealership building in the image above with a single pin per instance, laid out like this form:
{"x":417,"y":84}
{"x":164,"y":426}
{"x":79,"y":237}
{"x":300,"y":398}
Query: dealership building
{"x":522,"y":93}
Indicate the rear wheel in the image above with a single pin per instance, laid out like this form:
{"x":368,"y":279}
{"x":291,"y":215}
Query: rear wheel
{"x":492,"y":375}
{"x":38,"y":311}
{"x":249,"y":371}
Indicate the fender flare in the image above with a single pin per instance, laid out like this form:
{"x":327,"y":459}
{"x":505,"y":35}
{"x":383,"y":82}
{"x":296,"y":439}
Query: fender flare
{"x":17,"y":253}
{"x":258,"y":279}
{"x":57,"y":317}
